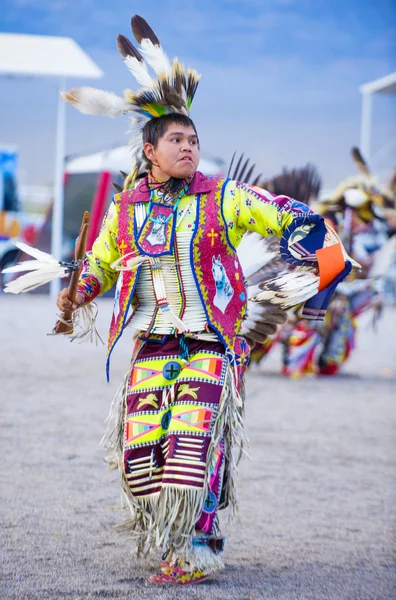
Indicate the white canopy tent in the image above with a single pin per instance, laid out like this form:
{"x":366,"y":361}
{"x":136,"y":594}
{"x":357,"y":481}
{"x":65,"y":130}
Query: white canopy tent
{"x":49,"y":56}
{"x":119,"y":159}
{"x":384,"y":85}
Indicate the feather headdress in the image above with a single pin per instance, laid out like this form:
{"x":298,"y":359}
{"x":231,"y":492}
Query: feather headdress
{"x":171,"y":89}
{"x":361,"y":192}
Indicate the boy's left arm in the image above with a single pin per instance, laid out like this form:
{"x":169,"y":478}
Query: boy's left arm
{"x":305,"y":238}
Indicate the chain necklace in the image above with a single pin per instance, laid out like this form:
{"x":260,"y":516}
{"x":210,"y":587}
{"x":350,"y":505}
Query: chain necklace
{"x":168,"y":191}
{"x":156,"y":188}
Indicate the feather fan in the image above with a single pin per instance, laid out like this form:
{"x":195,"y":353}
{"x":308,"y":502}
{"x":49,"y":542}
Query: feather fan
{"x":288,"y":289}
{"x":239,"y":172}
{"x":42,"y":270}
{"x":273,"y":285}
{"x":260,"y":260}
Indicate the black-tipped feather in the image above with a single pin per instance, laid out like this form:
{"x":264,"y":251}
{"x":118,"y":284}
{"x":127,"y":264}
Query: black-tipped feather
{"x":117,"y":187}
{"x":192,"y":84}
{"x":239,"y":172}
{"x":126,"y":48}
{"x":241,"y":175}
{"x":230,"y":167}
{"x":268,"y":271}
{"x":236,"y":171}
{"x":360,"y":162}
{"x":250,"y":173}
{"x":179,"y":80}
{"x":170,"y":96}
{"x":303,"y":183}
{"x":141,"y":30}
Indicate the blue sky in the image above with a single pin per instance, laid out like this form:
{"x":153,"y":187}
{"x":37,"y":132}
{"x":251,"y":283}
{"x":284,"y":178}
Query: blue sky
{"x":279,"y":81}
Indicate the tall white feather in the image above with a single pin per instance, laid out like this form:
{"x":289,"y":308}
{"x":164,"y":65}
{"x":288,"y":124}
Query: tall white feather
{"x":92,"y":101}
{"x":36,"y":253}
{"x":139,"y":71}
{"x":28,"y":265}
{"x":155,"y":56}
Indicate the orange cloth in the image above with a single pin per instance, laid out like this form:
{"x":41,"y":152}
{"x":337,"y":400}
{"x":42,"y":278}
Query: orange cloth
{"x":331,"y":262}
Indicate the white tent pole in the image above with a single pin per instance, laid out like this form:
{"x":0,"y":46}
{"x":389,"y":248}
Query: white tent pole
{"x":365,"y":130}
{"x":57,"y":210}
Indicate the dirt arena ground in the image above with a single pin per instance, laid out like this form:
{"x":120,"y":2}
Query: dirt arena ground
{"x":317,"y":499}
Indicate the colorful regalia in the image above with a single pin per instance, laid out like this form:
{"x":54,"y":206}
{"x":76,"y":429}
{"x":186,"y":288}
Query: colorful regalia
{"x":358,"y":210}
{"x":176,"y":425}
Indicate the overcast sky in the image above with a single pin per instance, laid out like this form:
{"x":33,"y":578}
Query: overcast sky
{"x":280,"y":78}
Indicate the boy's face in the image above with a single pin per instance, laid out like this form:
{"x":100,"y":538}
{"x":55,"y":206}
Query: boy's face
{"x":176,"y":154}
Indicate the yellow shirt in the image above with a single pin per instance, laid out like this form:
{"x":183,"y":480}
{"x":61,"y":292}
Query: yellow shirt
{"x":244,"y":208}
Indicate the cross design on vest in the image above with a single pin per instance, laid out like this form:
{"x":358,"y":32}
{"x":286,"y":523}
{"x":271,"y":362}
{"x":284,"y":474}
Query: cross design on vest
{"x":123,"y":245}
{"x":212,"y":235}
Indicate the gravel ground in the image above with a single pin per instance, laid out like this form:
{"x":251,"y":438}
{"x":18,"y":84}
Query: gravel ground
{"x":317,"y":500}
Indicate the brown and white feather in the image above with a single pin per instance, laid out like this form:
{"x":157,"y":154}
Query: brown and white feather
{"x":91,"y":101}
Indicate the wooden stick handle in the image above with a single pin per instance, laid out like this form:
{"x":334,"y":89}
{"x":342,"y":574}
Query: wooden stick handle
{"x":81,"y":244}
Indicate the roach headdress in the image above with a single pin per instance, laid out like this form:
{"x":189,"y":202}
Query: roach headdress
{"x":361,"y":193}
{"x":170,"y":89}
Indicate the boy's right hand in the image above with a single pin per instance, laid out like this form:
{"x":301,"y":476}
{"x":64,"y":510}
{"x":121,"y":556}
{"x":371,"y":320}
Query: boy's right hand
{"x":63,"y":302}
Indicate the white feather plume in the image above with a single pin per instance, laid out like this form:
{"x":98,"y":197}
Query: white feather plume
{"x":34,"y":279}
{"x":36,"y":253}
{"x":156,"y":57}
{"x":42,"y":270}
{"x":92,"y":101}
{"x":139,"y":71}
{"x":28,"y":265}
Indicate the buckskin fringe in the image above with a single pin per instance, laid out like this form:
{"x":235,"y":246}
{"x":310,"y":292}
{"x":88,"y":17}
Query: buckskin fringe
{"x":84,"y":321}
{"x":229,"y":426}
{"x":113,"y":437}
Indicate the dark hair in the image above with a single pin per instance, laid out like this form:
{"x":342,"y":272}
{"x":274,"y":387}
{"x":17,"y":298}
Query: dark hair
{"x":157,"y":127}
